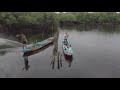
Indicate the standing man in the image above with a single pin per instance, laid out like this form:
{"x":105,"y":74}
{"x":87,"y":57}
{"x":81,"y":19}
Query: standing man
{"x":23,"y":39}
{"x":66,"y":35}
{"x":65,"y":38}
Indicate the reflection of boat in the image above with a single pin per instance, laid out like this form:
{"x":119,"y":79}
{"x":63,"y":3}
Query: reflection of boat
{"x":26,"y":63}
{"x":37,"y":51}
{"x":38,"y":45}
{"x":69,"y":59}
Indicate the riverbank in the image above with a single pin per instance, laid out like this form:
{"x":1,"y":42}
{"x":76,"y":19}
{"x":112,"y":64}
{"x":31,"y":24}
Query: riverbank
{"x":30,"y":23}
{"x":77,"y":18}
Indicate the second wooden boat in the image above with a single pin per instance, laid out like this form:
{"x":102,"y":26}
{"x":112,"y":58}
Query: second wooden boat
{"x":67,"y":49}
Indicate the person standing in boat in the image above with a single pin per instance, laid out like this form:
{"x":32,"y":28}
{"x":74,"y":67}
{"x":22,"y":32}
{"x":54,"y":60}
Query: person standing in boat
{"x":22,"y":39}
{"x":66,"y":36}
{"x":66,"y":39}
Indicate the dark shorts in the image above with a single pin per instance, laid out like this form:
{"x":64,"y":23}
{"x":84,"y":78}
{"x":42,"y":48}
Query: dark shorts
{"x":24,"y":42}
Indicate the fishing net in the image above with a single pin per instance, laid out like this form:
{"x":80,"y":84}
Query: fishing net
{"x":10,"y":43}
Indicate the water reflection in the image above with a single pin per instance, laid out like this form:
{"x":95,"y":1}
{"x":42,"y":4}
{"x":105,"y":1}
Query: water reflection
{"x":69,"y":59}
{"x":3,"y":52}
{"x":56,"y":56}
{"x":26,"y":62}
{"x":102,"y":28}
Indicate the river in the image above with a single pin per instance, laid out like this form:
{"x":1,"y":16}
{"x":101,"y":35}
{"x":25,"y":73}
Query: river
{"x":96,"y":55}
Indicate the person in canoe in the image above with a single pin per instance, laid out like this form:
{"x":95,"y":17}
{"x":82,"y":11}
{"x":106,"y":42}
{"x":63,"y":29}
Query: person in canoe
{"x":65,"y":38}
{"x":22,"y":39}
{"x":66,"y":35}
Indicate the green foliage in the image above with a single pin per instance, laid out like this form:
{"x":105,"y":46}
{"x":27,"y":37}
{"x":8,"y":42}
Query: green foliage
{"x":28,"y":18}
{"x":90,"y":18}
{"x":51,"y":20}
{"x":67,"y":17}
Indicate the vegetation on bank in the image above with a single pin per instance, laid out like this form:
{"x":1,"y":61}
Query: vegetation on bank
{"x":73,"y":18}
{"x":46,"y":22}
{"x":34,"y":22}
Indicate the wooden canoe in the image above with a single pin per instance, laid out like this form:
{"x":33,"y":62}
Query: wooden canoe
{"x":37,"y":51}
{"x":67,"y":49}
{"x":38,"y":45}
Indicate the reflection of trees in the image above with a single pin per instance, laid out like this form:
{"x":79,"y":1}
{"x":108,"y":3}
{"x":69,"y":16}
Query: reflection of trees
{"x":102,"y":28}
{"x":56,"y":54}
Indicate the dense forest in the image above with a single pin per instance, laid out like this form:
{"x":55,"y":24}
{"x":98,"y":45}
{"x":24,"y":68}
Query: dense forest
{"x":74,"y":18}
{"x":48,"y":21}
{"x":32,"y":22}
